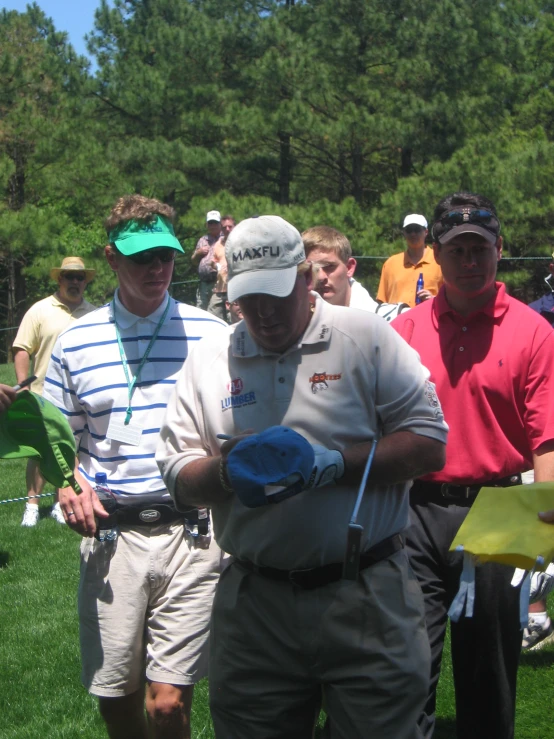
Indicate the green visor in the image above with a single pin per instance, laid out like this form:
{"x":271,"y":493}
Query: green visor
{"x":33,"y":427}
{"x":133,"y":237}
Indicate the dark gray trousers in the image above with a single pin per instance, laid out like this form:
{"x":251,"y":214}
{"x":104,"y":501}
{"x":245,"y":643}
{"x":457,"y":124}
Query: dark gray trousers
{"x":485,"y":648}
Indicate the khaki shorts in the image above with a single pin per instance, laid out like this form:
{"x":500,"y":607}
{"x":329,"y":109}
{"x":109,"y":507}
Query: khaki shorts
{"x":145,"y":603}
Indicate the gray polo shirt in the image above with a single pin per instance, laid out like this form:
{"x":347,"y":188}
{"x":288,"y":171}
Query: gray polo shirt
{"x":349,"y":377}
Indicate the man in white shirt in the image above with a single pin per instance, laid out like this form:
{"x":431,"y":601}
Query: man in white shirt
{"x":148,"y":579}
{"x":286,"y":626}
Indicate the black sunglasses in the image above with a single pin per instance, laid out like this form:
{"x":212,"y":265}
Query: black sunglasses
{"x":413,"y":229}
{"x":73,"y":276}
{"x":148,"y":256}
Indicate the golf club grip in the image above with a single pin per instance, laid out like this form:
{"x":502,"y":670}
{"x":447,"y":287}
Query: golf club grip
{"x":351,"y":565}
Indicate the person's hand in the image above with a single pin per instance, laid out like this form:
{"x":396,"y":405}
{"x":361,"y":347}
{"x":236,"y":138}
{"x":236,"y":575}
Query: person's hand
{"x":547,"y":516}
{"x":278,"y":463}
{"x":79,"y":511}
{"x":7,"y":396}
{"x":203,"y":250}
{"x":424,"y":295}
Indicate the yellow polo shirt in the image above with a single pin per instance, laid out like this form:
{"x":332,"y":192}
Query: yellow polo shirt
{"x":39,"y":329}
{"x":399,"y":278}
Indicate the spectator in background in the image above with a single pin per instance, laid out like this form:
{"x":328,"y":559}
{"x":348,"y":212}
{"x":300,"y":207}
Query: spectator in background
{"x":35,"y":340}
{"x":401,"y":272}
{"x":333,"y":268}
{"x":235,"y":313}
{"x":218,"y":302}
{"x":203,"y":258}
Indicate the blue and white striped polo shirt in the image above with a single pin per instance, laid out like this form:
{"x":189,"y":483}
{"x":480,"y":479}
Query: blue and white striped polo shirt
{"x":86,"y":380}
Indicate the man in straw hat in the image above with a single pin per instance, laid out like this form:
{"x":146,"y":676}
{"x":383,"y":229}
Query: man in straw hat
{"x":37,"y":334}
{"x":146,"y":587}
{"x":286,"y":626}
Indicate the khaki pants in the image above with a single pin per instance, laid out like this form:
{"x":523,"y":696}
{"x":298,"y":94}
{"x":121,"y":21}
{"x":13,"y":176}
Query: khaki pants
{"x":204,"y":293}
{"x":276,"y":649}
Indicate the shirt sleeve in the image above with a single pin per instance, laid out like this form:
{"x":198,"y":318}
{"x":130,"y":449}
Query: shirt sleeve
{"x":406,"y":399}
{"x":59,"y":390}
{"x":28,"y":335}
{"x":382,"y":292}
{"x":539,"y":389}
{"x":182,"y":436}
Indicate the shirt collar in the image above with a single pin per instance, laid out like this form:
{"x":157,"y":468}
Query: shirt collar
{"x":495,"y":308}
{"x":126,"y":319}
{"x":318,"y":330}
{"x":427,"y":258}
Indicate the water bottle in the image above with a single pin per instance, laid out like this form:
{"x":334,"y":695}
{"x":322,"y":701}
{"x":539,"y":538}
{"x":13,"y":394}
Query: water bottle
{"x":106,"y":528}
{"x":419,"y":287}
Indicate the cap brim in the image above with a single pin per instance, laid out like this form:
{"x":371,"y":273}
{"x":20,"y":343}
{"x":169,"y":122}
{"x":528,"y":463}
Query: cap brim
{"x":468,"y":228}
{"x":134,"y":243}
{"x":276,"y":282}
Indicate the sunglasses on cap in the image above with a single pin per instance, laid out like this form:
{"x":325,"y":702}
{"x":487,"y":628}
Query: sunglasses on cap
{"x":149,"y":255}
{"x":457,"y":217}
{"x":70,"y":276}
{"x":478,"y":216}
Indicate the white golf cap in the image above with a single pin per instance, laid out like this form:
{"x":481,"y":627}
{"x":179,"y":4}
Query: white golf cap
{"x":213,"y":215}
{"x":414,"y":219}
{"x":262,"y":256}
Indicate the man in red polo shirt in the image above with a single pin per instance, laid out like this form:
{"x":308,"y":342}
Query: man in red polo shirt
{"x":491,"y":359}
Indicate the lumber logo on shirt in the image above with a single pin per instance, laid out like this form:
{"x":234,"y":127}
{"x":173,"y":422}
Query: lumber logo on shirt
{"x":320,"y":381}
{"x":237,"y":397}
{"x":236,"y":386}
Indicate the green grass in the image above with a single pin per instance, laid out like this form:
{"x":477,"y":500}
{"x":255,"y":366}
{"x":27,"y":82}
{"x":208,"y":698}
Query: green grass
{"x":41,"y":694}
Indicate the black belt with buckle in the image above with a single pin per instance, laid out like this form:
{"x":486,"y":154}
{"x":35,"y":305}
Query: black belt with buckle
{"x":145,"y":510}
{"x":319,"y":576}
{"x":447,"y":491}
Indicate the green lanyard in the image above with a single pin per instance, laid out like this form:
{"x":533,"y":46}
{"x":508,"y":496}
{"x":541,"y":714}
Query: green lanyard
{"x":131,"y":383}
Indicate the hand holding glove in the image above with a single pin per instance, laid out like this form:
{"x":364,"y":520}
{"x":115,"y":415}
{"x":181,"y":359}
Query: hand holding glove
{"x":278,"y":463}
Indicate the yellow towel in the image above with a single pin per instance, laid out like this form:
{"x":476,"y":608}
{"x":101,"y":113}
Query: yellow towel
{"x":502,"y":526}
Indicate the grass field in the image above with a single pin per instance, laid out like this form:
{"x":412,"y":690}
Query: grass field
{"x":41,"y":696}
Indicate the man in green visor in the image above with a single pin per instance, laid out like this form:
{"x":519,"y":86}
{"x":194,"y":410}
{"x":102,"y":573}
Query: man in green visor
{"x":147,"y":580}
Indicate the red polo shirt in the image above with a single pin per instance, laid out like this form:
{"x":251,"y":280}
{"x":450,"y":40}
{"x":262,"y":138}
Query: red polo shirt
{"x":494,"y":375}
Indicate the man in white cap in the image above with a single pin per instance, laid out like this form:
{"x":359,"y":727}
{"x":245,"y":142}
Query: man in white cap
{"x":403,"y":274}
{"x":283,"y":390}
{"x":203,"y":258}
{"x":36,"y":336}
{"x":148,"y":578}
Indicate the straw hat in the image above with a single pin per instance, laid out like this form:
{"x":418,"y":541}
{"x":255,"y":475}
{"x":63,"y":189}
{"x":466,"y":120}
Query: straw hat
{"x":70,"y":264}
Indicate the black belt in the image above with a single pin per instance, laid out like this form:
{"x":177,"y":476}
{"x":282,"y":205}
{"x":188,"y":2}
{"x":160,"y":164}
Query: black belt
{"x":145,"y":510}
{"x":319,"y":576}
{"x":446,"y":491}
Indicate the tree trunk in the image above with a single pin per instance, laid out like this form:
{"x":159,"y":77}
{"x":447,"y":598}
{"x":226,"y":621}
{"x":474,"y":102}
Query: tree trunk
{"x":284,"y":168}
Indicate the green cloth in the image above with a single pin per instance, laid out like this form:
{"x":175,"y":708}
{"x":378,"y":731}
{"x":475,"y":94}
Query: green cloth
{"x":33,"y":427}
{"x":502,"y":526}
